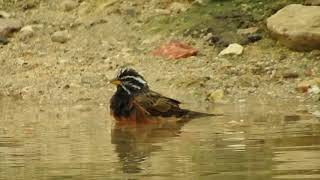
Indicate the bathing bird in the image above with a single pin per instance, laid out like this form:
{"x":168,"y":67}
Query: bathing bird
{"x":134,"y":101}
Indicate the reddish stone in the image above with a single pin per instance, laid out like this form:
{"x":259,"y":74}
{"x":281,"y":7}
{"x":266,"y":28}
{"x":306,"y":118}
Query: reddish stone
{"x":175,"y":50}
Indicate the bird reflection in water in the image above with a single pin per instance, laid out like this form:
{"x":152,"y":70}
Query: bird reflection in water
{"x":134,"y":143}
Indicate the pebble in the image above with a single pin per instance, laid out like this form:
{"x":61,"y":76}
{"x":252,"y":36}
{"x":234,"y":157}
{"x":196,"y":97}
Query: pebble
{"x":290,"y":74}
{"x":232,"y":49}
{"x":312,"y":2}
{"x":8,"y":26}
{"x":178,"y":7}
{"x":251,"y":38}
{"x":60,"y":36}
{"x":4,"y":14}
{"x":314,"y":89}
{"x":216,"y":95}
{"x":316,"y":113}
{"x":3,"y":41}
{"x":247,"y":31}
{"x":69,"y":5}
{"x":26,"y":32}
{"x":305,"y":85}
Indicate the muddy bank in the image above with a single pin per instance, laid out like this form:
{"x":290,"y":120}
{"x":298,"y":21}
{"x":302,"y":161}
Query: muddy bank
{"x":74,"y":49}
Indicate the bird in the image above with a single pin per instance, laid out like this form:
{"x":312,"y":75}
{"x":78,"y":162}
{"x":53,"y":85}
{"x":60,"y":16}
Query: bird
{"x":134,"y":101}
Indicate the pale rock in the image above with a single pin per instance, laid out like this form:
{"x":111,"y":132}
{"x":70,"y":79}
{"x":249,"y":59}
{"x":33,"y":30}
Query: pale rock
{"x":162,"y":11}
{"x":60,"y":36}
{"x":247,"y":31}
{"x":26,"y":32}
{"x":69,"y":5}
{"x":216,"y":95}
{"x":232,"y":49}
{"x":178,"y":7}
{"x":4,"y":14}
{"x":304,"y":86}
{"x":314,"y":89}
{"x":296,"y":26}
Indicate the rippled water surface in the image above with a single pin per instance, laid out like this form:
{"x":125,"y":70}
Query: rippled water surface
{"x":253,"y":141}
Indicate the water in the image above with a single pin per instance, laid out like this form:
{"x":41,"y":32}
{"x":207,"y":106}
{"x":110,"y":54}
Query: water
{"x":255,"y":141}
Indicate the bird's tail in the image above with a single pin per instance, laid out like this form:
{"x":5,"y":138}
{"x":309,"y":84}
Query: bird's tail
{"x":195,"y":114}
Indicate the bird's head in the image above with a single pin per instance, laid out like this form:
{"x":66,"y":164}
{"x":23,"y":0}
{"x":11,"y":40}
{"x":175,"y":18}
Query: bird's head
{"x":130,"y":81}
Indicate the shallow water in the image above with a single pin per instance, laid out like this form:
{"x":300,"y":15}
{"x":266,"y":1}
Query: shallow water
{"x":253,"y":141}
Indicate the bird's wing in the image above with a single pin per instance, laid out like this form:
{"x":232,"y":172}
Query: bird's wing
{"x":157,"y":105}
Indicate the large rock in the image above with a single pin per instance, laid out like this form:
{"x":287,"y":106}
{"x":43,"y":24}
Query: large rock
{"x":297,"y":27}
{"x":8,"y":26}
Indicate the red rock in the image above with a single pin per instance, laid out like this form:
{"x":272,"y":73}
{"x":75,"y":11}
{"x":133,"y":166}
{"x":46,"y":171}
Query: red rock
{"x":175,"y":50}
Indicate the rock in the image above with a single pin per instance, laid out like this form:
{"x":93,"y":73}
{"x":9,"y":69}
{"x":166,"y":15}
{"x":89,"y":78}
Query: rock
{"x":8,"y":26}
{"x":175,"y":50}
{"x":69,"y":5}
{"x":296,"y":26}
{"x":232,"y":49}
{"x":162,"y":11}
{"x":178,"y":7}
{"x":290,"y":74}
{"x":251,"y":38}
{"x":3,"y":41}
{"x":60,"y":36}
{"x":312,"y":2}
{"x":316,"y":113}
{"x":4,"y":14}
{"x":26,"y":32}
{"x":314,"y":89}
{"x":216,"y":95}
{"x":304,"y":86}
{"x":247,"y":31}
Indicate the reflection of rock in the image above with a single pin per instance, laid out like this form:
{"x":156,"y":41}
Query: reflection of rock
{"x":134,"y":143}
{"x":296,"y":26}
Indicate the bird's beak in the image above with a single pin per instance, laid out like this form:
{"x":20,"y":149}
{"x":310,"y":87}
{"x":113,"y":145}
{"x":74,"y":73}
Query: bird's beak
{"x":115,"y":82}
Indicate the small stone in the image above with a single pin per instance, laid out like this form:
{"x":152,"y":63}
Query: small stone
{"x":290,"y":74}
{"x":251,"y":39}
{"x":3,"y":41}
{"x":232,"y":49}
{"x":314,"y":89}
{"x":26,"y":32}
{"x":316,"y":113}
{"x":162,"y":11}
{"x":69,"y":5}
{"x":216,"y":95}
{"x":247,"y":31}
{"x":60,"y":36}
{"x":312,"y":2}
{"x":4,"y":14}
{"x":8,"y":26}
{"x":304,"y":86}
{"x":178,"y":7}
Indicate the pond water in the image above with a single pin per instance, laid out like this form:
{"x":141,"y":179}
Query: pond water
{"x":253,"y":141}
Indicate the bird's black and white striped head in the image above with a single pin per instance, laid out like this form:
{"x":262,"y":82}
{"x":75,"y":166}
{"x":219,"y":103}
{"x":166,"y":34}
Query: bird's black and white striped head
{"x":130,"y":81}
